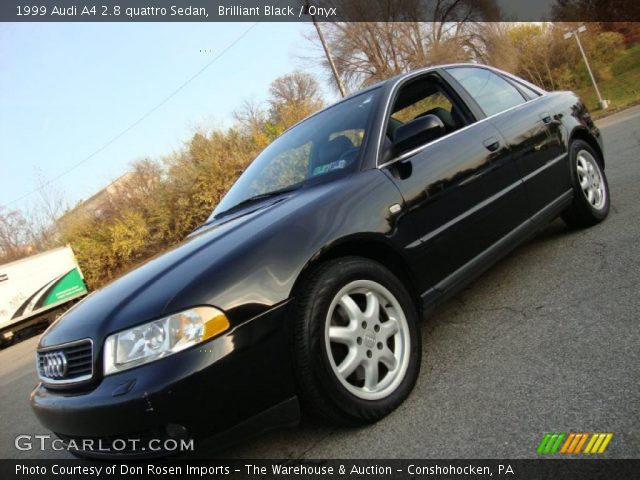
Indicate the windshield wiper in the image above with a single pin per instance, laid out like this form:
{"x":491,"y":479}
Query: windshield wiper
{"x":260,"y":196}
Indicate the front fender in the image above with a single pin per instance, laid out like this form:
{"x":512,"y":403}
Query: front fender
{"x":274,"y":248}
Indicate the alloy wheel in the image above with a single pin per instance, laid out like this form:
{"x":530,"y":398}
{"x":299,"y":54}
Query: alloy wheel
{"x":367,"y":340}
{"x":590,"y":179}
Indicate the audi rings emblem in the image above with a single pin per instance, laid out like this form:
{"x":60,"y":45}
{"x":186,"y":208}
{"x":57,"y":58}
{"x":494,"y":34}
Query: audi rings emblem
{"x":54,"y":365}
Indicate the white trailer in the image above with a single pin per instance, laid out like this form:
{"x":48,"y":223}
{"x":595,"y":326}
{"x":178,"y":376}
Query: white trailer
{"x":34,"y":289}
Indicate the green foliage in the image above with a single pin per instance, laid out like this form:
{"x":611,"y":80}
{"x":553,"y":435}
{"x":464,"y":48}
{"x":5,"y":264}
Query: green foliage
{"x":546,"y":58}
{"x":617,"y":72}
{"x":601,"y":48}
{"x":628,"y":61}
{"x":621,"y":90}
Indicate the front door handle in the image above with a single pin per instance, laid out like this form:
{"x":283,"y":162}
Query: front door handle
{"x":492,"y":144}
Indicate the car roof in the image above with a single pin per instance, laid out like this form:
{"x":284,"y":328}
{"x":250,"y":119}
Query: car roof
{"x":420,"y":71}
{"x":400,"y":77}
{"x":382,"y":83}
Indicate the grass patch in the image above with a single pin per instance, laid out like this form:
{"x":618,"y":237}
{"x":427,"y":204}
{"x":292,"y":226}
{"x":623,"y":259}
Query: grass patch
{"x":623,"y":89}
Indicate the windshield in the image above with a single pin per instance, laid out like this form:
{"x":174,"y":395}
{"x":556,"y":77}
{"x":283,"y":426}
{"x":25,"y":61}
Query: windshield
{"x":325,"y":146}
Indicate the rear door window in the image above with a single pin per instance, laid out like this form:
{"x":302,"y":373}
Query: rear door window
{"x":492,"y":92}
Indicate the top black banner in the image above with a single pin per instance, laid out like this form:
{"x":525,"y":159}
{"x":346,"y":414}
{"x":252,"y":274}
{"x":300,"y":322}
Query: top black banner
{"x":320,"y":10}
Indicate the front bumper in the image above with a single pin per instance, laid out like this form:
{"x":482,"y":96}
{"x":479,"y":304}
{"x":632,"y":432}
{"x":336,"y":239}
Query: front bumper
{"x":207,"y":389}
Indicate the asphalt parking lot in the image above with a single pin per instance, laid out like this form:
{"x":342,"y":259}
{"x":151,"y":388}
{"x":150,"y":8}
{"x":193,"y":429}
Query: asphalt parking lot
{"x":547,"y":340}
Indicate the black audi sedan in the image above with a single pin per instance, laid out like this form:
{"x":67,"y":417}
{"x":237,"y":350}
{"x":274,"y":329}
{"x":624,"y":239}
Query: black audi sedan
{"x":306,"y":286}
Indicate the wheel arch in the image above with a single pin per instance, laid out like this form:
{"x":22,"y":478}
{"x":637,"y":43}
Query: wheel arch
{"x":373,"y":249}
{"x":583,"y":134}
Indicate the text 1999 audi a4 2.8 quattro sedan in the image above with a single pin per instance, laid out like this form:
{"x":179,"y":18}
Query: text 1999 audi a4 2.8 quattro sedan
{"x":307,"y":283}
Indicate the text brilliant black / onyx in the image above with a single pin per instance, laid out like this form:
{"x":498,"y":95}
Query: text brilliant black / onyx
{"x":274,"y":11}
{"x":267,"y":10}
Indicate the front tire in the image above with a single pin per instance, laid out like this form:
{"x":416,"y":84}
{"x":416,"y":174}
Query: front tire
{"x":356,"y":341}
{"x":590,"y":187}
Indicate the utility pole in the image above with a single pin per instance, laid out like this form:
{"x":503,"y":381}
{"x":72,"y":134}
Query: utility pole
{"x":328,"y":54}
{"x":574,"y":33}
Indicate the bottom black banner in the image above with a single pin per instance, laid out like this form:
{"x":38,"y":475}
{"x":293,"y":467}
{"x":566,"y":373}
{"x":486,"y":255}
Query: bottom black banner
{"x":326,"y":469}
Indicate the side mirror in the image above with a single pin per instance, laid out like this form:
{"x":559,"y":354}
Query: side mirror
{"x":417,"y":132}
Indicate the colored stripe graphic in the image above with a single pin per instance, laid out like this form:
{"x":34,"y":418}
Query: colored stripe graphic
{"x":598,"y":443}
{"x":581,"y":443}
{"x":550,"y":443}
{"x":567,"y":443}
{"x":557,"y":443}
{"x":607,"y":439}
{"x":572,"y":443}
{"x":590,"y":444}
{"x":543,"y":443}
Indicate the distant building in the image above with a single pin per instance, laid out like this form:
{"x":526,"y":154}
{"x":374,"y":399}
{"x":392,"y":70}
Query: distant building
{"x":126,"y":187}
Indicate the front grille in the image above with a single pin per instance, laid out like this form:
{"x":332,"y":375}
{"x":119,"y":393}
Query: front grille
{"x":66,"y":363}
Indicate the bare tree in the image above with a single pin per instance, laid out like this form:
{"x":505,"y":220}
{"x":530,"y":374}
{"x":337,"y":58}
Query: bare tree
{"x":595,"y":10}
{"x":293,"y":97}
{"x":250,"y":115}
{"x":296,"y":87}
{"x":43,"y":213}
{"x":138,"y":185}
{"x":14,"y":237}
{"x":367,"y":52}
{"x":52,"y":200}
{"x":33,"y":228}
{"x":496,"y":47}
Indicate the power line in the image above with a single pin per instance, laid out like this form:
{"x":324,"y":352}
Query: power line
{"x":136,"y":122}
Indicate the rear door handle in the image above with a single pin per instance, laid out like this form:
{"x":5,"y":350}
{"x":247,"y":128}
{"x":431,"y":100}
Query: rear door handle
{"x":545,"y":117}
{"x":492,"y":144}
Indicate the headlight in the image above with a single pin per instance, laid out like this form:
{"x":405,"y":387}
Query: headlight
{"x":160,"y":338}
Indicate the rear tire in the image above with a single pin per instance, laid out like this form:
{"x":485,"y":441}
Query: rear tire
{"x":590,"y":187}
{"x":356,"y":342}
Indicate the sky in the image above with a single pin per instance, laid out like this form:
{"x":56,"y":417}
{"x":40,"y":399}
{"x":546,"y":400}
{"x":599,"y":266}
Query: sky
{"x":66,"y":89}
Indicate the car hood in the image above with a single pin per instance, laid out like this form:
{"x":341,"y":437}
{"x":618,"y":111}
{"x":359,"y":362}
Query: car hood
{"x":243,"y":263}
{"x":148,"y":292}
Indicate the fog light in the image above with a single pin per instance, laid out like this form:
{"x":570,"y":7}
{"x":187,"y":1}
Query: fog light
{"x":177,"y":432}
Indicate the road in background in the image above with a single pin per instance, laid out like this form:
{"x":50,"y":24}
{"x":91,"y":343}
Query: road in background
{"x":547,"y":340}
